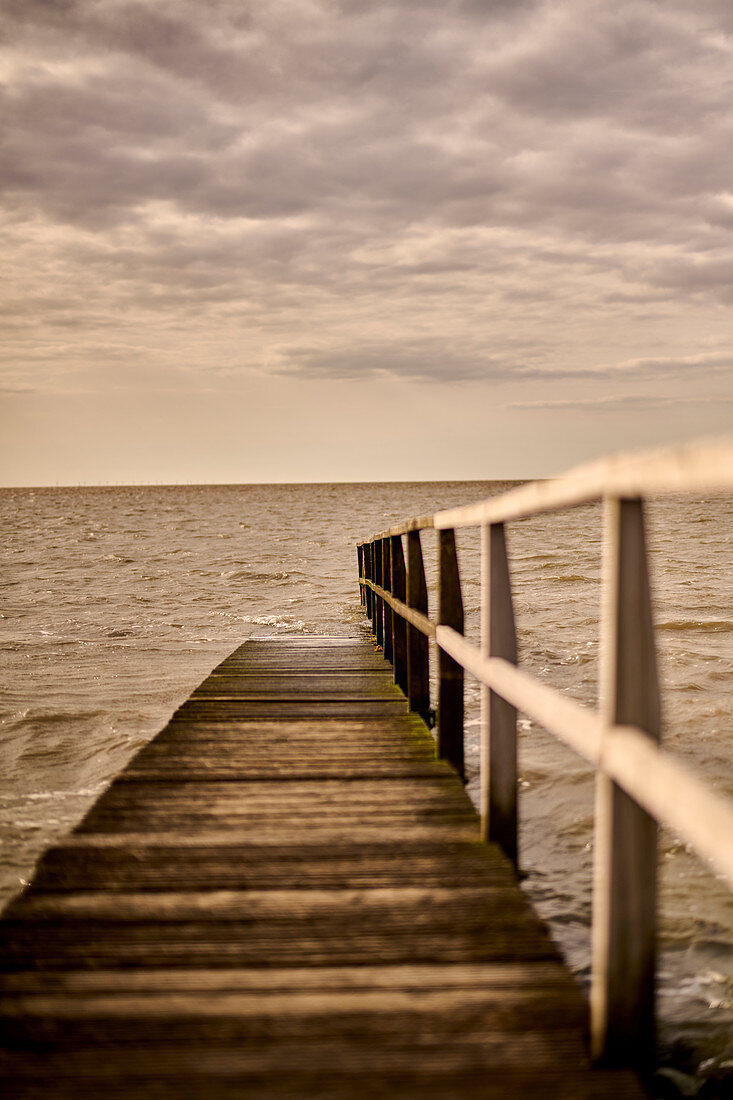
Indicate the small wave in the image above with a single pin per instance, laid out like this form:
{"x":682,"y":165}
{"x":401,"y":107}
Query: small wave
{"x":274,"y":620}
{"x":259,"y":578}
{"x":713,"y":626}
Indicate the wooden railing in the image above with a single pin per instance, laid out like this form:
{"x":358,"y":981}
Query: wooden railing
{"x":638,"y":784}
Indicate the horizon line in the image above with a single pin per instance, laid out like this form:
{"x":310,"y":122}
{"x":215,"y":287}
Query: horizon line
{"x":239,"y":484}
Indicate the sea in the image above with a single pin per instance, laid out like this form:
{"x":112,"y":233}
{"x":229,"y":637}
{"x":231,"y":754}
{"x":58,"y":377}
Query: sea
{"x":116,"y":601}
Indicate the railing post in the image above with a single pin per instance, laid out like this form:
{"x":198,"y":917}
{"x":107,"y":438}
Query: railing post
{"x":624,"y":896}
{"x":360,"y":560}
{"x":498,"y":718}
{"x":378,"y":601}
{"x":387,"y":610}
{"x":418,"y":681}
{"x":450,"y":673}
{"x":399,"y":626}
{"x":368,"y":575}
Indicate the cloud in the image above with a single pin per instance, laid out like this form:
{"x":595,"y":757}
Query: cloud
{"x":613,"y":403}
{"x":416,"y":361}
{"x":436,"y":360}
{"x":454,"y":192}
{"x":669,"y":365}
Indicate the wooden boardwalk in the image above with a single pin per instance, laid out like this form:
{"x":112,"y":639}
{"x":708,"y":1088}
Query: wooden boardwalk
{"x":284,"y":895}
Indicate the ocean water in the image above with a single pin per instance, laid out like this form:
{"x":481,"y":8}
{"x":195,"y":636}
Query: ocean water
{"x":117,"y":601}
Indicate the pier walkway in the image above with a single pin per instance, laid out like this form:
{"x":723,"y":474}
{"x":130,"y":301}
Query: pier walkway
{"x":284,"y":894}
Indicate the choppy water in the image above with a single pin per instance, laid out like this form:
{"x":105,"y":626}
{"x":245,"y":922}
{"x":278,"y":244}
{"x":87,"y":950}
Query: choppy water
{"x":116,"y":602}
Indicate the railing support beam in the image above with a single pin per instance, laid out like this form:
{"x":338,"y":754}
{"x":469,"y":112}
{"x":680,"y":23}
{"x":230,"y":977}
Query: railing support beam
{"x":418,"y":675}
{"x":388,"y":616}
{"x":360,"y":560}
{"x":450,"y":673}
{"x":369,"y":573}
{"x":399,"y":626}
{"x":379,"y":607}
{"x":498,"y":718}
{"x":624,"y":899}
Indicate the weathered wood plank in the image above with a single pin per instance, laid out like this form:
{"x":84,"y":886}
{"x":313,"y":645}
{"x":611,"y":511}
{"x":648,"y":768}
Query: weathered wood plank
{"x":198,"y":1072}
{"x":147,"y":864}
{"x":536,"y":976}
{"x":282,"y":831}
{"x":306,"y":662}
{"x":393,"y":798}
{"x":341,"y":680}
{"x":191,"y":813}
{"x":255,"y":709}
{"x":269,"y":905}
{"x":399,"y":729}
{"x":333,"y":937}
{"x":224,"y":771}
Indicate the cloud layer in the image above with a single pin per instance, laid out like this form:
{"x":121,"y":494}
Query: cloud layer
{"x":520,"y":194}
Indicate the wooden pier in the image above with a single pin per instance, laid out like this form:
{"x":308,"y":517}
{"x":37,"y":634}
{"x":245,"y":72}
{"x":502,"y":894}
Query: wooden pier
{"x":285,"y":894}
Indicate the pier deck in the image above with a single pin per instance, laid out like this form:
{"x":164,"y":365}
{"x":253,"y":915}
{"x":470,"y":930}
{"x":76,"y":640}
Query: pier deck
{"x":284,"y":895}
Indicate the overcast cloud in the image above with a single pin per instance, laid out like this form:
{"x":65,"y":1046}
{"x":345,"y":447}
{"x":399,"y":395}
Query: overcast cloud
{"x":536,"y":197}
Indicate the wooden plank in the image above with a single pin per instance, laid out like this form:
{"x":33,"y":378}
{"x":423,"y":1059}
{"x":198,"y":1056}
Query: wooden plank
{"x":133,"y":805}
{"x":403,"y":729}
{"x":339,"y":678}
{"x":223,"y":770}
{"x":275,"y":799}
{"x":269,"y":905}
{"x":145,"y":863}
{"x":264,"y":739}
{"x":228,"y":1074}
{"x":536,"y":976}
{"x":255,"y":709}
{"x":282,"y":832}
{"x":361,"y":686}
{"x":208,"y":943}
{"x":306,"y":661}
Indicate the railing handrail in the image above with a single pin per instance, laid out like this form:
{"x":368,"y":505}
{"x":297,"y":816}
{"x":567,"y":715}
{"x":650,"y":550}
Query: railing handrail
{"x":638,"y":782}
{"x":704,"y":466}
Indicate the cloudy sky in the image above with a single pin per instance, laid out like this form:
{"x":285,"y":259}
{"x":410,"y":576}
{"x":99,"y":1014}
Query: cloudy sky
{"x":338,"y":239}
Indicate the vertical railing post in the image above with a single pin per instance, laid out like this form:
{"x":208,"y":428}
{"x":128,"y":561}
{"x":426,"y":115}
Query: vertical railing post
{"x":387,"y":610}
{"x":498,"y":718}
{"x":399,"y":626}
{"x":378,"y":601}
{"x":624,"y":895}
{"x":369,"y":595}
{"x":450,"y":673}
{"x":360,"y":560}
{"x":418,"y":670}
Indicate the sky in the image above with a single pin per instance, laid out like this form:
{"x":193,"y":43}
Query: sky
{"x":340,"y":240}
